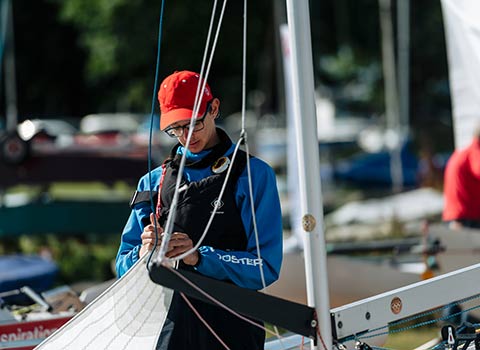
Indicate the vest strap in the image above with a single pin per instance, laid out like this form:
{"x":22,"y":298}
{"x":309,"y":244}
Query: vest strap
{"x":141,"y":197}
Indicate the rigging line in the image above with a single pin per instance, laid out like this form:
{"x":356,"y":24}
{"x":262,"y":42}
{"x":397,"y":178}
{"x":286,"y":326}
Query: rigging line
{"x":244,"y":64}
{"x":173,"y":206}
{"x":418,"y":325}
{"x":170,"y":219}
{"x":241,"y":140}
{"x":254,"y":218}
{"x":205,"y":323}
{"x":198,"y":93}
{"x":220,"y":196}
{"x":219,"y":303}
{"x":150,"y":136}
{"x":3,"y":31}
{"x":318,"y":332}
{"x":214,"y":211}
{"x":244,"y":133}
{"x":462,"y":301}
{"x":245,"y":140}
{"x":423,"y":314}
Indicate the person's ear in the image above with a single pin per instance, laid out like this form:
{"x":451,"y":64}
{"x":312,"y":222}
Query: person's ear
{"x":215,"y":107}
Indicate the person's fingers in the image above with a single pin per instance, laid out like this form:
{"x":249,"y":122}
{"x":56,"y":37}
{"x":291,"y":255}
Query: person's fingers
{"x":148,"y":240}
{"x":179,"y":236}
{"x":179,"y":245}
{"x":154,"y":224}
{"x":149,"y":236}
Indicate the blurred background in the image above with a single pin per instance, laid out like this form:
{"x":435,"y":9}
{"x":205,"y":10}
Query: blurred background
{"x":74,"y":58}
{"x":77,"y":80}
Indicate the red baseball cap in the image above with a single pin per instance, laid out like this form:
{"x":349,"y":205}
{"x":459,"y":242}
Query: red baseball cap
{"x":177,"y":96}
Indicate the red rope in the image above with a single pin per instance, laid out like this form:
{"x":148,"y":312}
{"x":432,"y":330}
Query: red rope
{"x":204,"y":322}
{"x":160,"y":185}
{"x":318,"y":331}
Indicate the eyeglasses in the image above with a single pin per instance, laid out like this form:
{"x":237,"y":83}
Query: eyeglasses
{"x":178,"y":131}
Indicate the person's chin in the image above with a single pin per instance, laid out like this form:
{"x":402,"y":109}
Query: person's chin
{"x":195,"y":147}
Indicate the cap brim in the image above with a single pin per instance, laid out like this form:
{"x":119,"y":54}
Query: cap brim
{"x":176,"y":115}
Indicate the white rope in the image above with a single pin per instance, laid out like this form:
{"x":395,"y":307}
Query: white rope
{"x":254,"y":218}
{"x":243,"y":138}
{"x":201,"y":86}
{"x":173,"y":208}
{"x":212,"y":216}
{"x":244,"y":65}
{"x":244,"y":133}
{"x":135,"y":318}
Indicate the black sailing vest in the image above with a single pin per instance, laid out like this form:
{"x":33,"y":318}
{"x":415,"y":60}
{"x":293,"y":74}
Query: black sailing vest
{"x":197,"y":200}
{"x":182,"y":329}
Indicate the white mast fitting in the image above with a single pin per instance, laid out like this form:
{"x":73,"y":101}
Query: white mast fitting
{"x":309,"y":164}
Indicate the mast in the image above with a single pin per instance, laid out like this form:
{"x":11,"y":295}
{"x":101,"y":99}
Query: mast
{"x":309,"y":164}
{"x":391,"y":95}
{"x":403,"y":69}
{"x":9,"y":65}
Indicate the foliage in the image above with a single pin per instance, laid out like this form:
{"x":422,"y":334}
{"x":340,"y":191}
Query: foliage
{"x":354,"y":83}
{"x":120,"y":38}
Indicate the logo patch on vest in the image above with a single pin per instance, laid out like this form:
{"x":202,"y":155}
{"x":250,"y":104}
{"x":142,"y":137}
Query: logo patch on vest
{"x":220,"y":165}
{"x":219,"y":203}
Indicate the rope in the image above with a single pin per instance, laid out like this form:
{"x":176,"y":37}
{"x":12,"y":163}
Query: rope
{"x":242,"y":139}
{"x":150,"y":136}
{"x":205,"y":323}
{"x":421,"y":324}
{"x":218,"y":303}
{"x":317,"y":328}
{"x":255,"y":229}
{"x":369,"y":334}
{"x":212,"y":216}
{"x":3,"y":30}
{"x":202,"y":81}
{"x":244,"y":133}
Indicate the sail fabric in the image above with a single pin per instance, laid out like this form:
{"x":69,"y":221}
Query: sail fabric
{"x":462,"y":32}
{"x":128,"y":315}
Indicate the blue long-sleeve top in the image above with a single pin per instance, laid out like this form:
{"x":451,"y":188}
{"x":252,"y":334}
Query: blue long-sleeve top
{"x":240,"y":267}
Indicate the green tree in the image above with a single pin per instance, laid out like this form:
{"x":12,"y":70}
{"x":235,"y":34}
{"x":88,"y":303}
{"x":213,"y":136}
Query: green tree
{"x":120,"y":38}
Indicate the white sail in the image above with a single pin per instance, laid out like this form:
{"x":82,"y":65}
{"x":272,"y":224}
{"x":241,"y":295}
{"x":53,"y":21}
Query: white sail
{"x":462,"y":32}
{"x":128,"y":315}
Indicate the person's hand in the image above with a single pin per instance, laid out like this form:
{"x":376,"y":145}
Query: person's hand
{"x":148,"y":236}
{"x":180,"y":243}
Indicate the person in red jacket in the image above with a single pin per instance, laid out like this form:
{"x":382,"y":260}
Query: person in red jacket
{"x":462,"y":187}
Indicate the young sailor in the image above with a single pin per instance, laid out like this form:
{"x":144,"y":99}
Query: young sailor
{"x":229,"y":250}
